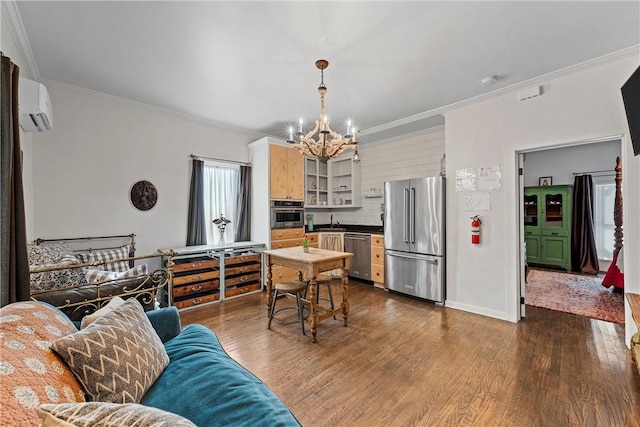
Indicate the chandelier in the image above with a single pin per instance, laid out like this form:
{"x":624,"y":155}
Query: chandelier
{"x":321,"y":142}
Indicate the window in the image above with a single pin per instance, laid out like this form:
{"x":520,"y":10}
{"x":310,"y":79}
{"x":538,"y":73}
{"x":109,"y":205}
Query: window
{"x":220,"y":198}
{"x":604,"y":226}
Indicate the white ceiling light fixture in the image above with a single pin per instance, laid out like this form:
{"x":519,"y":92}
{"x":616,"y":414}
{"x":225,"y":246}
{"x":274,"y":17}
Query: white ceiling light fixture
{"x":321,"y":142}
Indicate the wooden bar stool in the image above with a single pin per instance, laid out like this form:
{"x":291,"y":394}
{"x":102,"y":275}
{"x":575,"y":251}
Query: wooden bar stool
{"x":293,"y":287}
{"x":322,"y":279}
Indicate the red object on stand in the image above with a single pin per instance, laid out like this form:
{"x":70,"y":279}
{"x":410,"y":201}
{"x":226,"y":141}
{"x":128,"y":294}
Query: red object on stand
{"x":614,"y":276}
{"x":475,"y":230}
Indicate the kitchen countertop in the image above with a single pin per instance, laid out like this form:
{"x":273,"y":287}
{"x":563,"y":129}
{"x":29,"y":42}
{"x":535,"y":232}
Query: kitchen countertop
{"x":346,"y":228}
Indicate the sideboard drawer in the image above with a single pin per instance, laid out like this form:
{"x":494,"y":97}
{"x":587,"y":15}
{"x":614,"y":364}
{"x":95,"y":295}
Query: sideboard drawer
{"x":246,"y":278}
{"x":195,"y":264}
{"x":240,"y":259}
{"x":192,"y":302}
{"x":198,"y":277}
{"x":242,"y":269}
{"x":195,"y":288}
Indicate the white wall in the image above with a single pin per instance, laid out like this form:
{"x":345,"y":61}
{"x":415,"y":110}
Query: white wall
{"x":412,"y":156}
{"x":8,"y":47}
{"x":85,"y":167}
{"x":578,"y":107}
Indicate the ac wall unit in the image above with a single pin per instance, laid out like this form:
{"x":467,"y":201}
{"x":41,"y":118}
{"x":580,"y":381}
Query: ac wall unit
{"x":34,"y":106}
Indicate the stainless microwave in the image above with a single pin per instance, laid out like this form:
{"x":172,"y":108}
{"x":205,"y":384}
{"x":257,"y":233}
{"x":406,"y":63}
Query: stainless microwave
{"x":287,"y":214}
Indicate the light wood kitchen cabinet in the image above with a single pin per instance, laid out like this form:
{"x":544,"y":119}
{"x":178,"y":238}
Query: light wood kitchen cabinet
{"x":377,"y":260}
{"x":285,"y":238}
{"x":286,"y":169}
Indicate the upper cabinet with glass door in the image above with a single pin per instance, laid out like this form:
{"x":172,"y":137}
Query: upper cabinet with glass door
{"x":547,"y":208}
{"x":554,"y":215}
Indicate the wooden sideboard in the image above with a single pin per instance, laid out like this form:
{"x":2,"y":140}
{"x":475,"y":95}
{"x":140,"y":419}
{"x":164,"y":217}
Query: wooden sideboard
{"x":208,"y":273}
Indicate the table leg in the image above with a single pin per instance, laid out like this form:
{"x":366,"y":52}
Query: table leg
{"x":345,"y":295}
{"x":269,"y":297}
{"x":313,"y":314}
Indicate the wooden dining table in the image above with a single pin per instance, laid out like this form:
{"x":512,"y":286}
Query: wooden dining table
{"x":309,"y":265}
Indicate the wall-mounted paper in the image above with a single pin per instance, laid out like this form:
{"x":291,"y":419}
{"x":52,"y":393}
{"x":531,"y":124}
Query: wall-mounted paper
{"x":466,"y":180}
{"x":477,"y":201}
{"x":484,"y":178}
{"x":489,"y":178}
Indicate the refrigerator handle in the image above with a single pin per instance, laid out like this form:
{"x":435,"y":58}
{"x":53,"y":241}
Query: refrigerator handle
{"x":405,"y":217}
{"x":412,"y":214}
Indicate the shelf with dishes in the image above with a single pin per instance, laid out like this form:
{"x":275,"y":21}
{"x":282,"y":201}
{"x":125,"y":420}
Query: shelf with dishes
{"x":334,"y":184}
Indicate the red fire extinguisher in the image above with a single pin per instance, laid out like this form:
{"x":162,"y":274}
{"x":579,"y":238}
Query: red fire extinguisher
{"x":475,"y":230}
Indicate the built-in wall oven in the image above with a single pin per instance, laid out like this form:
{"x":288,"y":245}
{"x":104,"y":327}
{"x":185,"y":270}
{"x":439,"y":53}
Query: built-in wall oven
{"x":287,"y":214}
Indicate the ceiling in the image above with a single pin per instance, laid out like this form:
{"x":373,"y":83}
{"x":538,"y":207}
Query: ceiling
{"x":395,"y":67}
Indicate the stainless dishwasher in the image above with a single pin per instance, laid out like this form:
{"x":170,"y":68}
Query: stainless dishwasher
{"x":360,"y":246}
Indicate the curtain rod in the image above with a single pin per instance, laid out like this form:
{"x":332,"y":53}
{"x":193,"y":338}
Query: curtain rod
{"x":215,"y":159}
{"x":610,"y":171}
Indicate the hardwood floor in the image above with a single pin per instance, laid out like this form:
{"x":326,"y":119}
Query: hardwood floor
{"x":404,"y":362}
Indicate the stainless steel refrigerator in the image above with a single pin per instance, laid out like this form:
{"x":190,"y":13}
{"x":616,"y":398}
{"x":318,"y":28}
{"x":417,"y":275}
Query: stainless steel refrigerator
{"x":414,"y":237}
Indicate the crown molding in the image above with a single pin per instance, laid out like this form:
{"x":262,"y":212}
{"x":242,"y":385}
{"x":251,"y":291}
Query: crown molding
{"x":19,"y":35}
{"x":623,"y":53}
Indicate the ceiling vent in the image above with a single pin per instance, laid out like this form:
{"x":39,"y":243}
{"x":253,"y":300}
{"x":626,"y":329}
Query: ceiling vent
{"x":34,"y":106}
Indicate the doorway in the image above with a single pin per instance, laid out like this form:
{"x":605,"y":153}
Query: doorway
{"x":546,"y":277}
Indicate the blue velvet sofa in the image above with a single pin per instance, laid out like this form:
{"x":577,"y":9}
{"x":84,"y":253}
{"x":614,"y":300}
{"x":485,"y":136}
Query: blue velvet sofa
{"x":205,"y":385}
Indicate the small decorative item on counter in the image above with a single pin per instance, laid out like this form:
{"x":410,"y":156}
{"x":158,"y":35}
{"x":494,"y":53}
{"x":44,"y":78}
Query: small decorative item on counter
{"x":309,"y":222}
{"x":305,"y":243}
{"x":222,"y":226}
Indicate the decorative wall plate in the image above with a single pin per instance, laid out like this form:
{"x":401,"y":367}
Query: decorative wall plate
{"x":143,"y":195}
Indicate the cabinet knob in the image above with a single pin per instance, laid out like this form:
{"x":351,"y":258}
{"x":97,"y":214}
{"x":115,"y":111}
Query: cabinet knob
{"x":196,"y":288}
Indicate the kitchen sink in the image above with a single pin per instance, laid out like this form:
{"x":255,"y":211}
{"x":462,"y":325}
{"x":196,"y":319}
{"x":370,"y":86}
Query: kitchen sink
{"x":336,"y":229}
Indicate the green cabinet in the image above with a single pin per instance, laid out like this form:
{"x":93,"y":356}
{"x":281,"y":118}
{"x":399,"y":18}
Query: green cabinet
{"x":547,"y":225}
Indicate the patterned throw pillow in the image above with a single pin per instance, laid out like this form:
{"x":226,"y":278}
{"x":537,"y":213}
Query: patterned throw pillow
{"x":93,"y":275}
{"x":30,"y":373}
{"x":118,"y":357}
{"x":108,"y":255}
{"x":48,"y":255}
{"x":99,"y":414}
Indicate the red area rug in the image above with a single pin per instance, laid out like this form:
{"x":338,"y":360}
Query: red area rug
{"x":571,"y":293}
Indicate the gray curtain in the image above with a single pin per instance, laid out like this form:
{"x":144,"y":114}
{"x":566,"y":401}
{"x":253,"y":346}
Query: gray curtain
{"x":584,"y":257}
{"x":196,"y":227}
{"x":243,"y":209}
{"x":14,"y":264}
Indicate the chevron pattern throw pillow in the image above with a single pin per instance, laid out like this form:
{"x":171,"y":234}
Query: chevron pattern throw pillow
{"x":118,"y":357}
